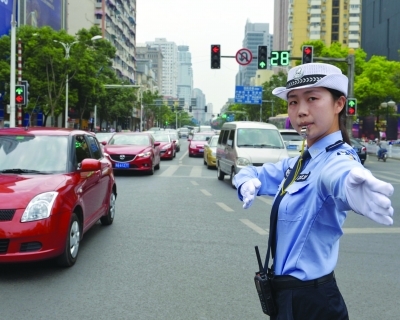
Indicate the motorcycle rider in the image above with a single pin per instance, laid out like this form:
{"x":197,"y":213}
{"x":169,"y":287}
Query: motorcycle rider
{"x":381,"y":150}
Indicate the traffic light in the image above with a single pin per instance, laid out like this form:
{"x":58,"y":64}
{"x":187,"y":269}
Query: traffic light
{"x":26,"y":84}
{"x":215,"y":56}
{"x":20,"y":94}
{"x":190,"y":108}
{"x":351,"y":107}
{"x":307,"y":56}
{"x":262,"y":57}
{"x":205,"y":109}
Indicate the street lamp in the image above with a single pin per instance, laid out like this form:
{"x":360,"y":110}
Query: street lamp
{"x":67,"y":47}
{"x":386,"y":105}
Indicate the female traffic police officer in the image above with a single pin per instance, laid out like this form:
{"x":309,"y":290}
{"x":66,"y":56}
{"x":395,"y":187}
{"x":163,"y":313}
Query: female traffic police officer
{"x":313,"y":204}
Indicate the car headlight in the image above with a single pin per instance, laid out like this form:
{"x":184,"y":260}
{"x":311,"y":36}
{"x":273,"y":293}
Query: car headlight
{"x":144,"y":155}
{"x":39,"y":207}
{"x":214,"y":154}
{"x":243,"y":162}
{"x":166,"y":147}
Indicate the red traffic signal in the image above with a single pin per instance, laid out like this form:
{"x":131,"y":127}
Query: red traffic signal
{"x":307,"y":54}
{"x":20,"y":94}
{"x":215,"y":56}
{"x":351,"y":107}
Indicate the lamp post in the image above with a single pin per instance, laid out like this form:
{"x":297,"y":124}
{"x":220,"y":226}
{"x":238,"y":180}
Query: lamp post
{"x":67,"y":47}
{"x":387,"y":105}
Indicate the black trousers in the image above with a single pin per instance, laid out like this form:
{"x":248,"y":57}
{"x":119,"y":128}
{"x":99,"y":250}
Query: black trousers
{"x":324,"y":302}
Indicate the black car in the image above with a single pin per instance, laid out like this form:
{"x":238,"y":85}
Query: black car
{"x":360,"y":149}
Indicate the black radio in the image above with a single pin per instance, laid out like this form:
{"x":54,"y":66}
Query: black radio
{"x":264,"y":289}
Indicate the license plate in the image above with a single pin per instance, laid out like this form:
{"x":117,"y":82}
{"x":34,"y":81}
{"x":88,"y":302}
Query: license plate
{"x":201,"y":150}
{"x":292,"y":147}
{"x":122,"y":165}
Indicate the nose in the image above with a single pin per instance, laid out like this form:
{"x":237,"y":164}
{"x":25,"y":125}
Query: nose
{"x":302,"y":109}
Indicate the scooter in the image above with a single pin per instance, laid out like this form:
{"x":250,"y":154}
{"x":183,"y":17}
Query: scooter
{"x":383,"y":155}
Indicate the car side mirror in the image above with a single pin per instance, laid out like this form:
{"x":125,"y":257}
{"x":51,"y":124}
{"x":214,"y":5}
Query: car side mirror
{"x":104,"y":143}
{"x":90,"y":165}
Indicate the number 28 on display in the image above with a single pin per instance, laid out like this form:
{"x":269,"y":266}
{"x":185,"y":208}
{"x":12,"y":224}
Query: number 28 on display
{"x":280,"y":58}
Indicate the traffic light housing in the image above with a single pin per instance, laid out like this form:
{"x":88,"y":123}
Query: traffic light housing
{"x":205,"y":108}
{"x":215,"y":56}
{"x":307,"y":54}
{"x":351,"y":107}
{"x":20,"y":94}
{"x":262,"y":57}
{"x":190,"y":108}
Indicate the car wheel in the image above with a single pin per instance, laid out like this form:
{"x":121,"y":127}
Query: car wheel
{"x":70,"y":254}
{"x":174,"y":154}
{"x":109,"y":218}
{"x":151,"y":171}
{"x":233,"y":173}
{"x":220,"y":174}
{"x":190,"y":155}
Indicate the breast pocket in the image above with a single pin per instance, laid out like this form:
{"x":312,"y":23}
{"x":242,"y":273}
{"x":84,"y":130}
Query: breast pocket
{"x":294,"y":202}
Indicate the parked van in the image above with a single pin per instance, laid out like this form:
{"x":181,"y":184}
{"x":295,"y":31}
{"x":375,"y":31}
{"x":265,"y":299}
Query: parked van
{"x":246,"y":143}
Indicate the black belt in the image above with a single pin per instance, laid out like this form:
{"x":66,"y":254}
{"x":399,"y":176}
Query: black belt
{"x":289,"y":282}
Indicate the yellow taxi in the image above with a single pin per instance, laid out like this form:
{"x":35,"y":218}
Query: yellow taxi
{"x":210,"y":150}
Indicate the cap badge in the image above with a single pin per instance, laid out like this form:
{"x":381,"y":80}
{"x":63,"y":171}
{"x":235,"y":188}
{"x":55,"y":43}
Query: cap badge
{"x":299,"y":73}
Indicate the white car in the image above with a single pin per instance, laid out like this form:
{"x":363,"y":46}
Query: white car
{"x":293,"y":141}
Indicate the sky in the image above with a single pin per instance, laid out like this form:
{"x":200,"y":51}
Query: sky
{"x":198,"y":24}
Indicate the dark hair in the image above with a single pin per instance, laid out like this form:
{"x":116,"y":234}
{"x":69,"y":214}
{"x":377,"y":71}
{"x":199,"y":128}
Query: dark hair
{"x":336,"y":94}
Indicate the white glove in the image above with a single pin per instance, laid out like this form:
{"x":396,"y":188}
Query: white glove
{"x":249,"y":191}
{"x":368,"y":196}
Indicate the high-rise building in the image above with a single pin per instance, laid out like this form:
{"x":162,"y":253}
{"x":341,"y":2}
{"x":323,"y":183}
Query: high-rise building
{"x":117,"y":21}
{"x":281,"y":14}
{"x":154,"y":57}
{"x":381,"y":28}
{"x":329,"y":21}
{"x":255,"y":34}
{"x":169,"y":65}
{"x":198,"y":109}
{"x":185,"y":74}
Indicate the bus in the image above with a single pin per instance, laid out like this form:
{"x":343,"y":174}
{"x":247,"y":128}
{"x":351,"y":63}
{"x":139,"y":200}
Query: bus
{"x":281,"y":121}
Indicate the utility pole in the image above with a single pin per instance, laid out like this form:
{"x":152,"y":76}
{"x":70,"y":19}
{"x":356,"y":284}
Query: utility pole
{"x":12,"y":64}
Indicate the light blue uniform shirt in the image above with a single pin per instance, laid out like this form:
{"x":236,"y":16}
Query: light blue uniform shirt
{"x":311,"y":214}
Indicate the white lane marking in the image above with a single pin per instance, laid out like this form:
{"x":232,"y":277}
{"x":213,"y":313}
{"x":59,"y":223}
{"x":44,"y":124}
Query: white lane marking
{"x":224,"y":206}
{"x":370,"y":230}
{"x":170,"y":171}
{"x":266,"y":200}
{"x":205,"y":192}
{"x":196,"y":171}
{"x":194,"y":183}
{"x":184,"y":155}
{"x":253,"y":226}
{"x":386,"y":177}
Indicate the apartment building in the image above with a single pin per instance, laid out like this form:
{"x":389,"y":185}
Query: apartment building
{"x":153,"y":58}
{"x":185,"y":75}
{"x":117,"y":21}
{"x":169,"y":65}
{"x":326,"y":20}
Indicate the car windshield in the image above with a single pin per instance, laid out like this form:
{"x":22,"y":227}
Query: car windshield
{"x":184,"y":130}
{"x":213,"y":142}
{"x":104,"y":136}
{"x":291,"y":136}
{"x":200,"y":137}
{"x":33,"y":154}
{"x":259,"y":138}
{"x":135,"y":140}
{"x":162,"y":138}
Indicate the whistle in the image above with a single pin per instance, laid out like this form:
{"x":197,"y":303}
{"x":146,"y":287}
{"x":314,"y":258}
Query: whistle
{"x":303,"y":132}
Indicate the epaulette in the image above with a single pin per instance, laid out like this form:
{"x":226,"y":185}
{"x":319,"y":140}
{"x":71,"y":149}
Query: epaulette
{"x":334,"y":146}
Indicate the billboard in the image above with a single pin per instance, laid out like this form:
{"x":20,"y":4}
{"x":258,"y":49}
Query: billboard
{"x":5,"y":16}
{"x":39,"y":13}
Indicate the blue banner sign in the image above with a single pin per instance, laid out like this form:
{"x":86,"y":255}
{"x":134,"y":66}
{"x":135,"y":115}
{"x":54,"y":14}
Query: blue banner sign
{"x":248,"y":95}
{"x":5,"y":16}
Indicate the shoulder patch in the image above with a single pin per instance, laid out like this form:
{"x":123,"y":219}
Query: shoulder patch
{"x":346,"y":153}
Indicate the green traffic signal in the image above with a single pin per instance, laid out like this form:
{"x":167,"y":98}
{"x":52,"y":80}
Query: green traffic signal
{"x":351,"y":107}
{"x":19,"y":90}
{"x":262,"y":65}
{"x":262,"y":57}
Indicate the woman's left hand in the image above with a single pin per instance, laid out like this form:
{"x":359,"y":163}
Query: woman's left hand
{"x":369,"y":196}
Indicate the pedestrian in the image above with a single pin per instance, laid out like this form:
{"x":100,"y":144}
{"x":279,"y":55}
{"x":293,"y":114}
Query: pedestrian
{"x":312,"y":194}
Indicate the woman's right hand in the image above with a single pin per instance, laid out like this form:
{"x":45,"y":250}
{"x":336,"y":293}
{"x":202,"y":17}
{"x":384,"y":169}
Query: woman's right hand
{"x":249,"y":191}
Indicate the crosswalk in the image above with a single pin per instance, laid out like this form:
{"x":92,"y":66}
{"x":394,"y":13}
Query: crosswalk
{"x":201,"y":171}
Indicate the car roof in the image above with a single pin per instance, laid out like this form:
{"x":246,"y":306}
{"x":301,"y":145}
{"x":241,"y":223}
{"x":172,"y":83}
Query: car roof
{"x":42,"y":131}
{"x":288,"y":131}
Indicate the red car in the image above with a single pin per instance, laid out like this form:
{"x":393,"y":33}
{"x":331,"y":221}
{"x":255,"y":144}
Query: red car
{"x":133,"y":151}
{"x":167,"y":145}
{"x":197,"y":142}
{"x":54,"y":185}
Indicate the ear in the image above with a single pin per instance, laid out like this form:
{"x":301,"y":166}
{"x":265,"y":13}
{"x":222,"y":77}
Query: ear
{"x":340,"y":104}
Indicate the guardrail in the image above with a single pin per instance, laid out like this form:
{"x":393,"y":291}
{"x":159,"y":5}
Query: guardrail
{"x":393,"y":150}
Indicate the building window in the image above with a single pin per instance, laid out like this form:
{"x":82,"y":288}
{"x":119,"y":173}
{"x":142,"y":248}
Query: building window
{"x":335,"y":37}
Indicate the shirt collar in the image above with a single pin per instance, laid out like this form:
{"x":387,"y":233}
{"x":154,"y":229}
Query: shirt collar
{"x":319,"y":146}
